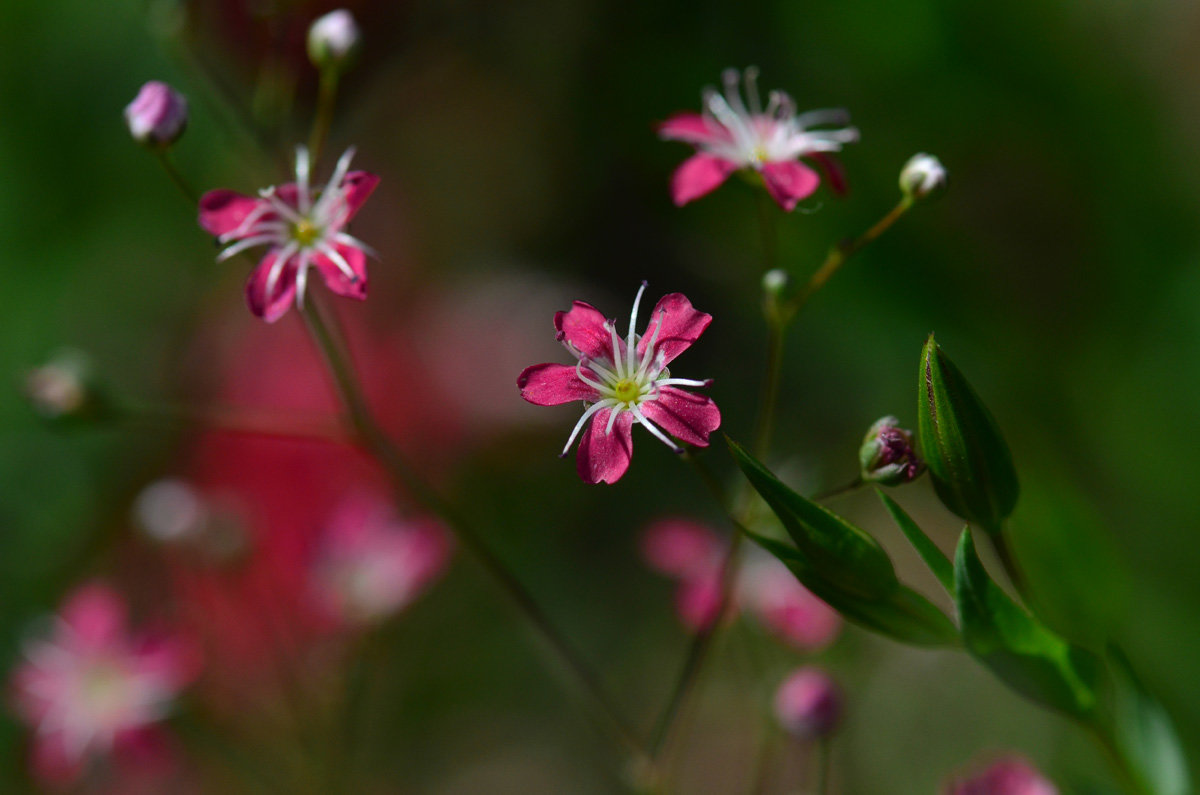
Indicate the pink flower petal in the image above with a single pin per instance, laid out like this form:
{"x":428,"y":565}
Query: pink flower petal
{"x":832,"y":169}
{"x":692,"y":128}
{"x":271,"y":307}
{"x":336,"y":279}
{"x":682,"y":325}
{"x":789,"y":181}
{"x":698,"y":175}
{"x":583,"y":327}
{"x":358,"y":186}
{"x":604,"y":457}
{"x":223,"y":211}
{"x":96,"y":616}
{"x":680,"y":548}
{"x":685,"y":415}
{"x":52,"y":763}
{"x":553,"y":385}
{"x":698,"y":600}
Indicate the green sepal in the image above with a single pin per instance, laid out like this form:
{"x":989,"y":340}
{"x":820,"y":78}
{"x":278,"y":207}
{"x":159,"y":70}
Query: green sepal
{"x":1142,"y":733}
{"x":968,"y":460}
{"x":1023,"y":653}
{"x":934,"y":558}
{"x":845,"y":556}
{"x":902,"y":614}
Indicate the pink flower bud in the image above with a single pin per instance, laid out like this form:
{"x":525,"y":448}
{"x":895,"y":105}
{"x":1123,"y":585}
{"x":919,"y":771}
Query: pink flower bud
{"x":157,"y":116}
{"x":809,"y":703}
{"x":1009,"y":775}
{"x":333,"y":40}
{"x":887,"y":454}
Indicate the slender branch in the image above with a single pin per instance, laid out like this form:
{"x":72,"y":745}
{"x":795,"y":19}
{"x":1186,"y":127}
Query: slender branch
{"x":326,"y":98}
{"x":767,"y":228}
{"x":824,"y":754}
{"x":371,"y":437}
{"x":177,"y":179}
{"x":840,"y":491}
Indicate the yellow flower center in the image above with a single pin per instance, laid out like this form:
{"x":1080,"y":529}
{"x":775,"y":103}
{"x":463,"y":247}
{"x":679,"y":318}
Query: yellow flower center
{"x":305,"y":233}
{"x":759,"y":153}
{"x":626,"y":391}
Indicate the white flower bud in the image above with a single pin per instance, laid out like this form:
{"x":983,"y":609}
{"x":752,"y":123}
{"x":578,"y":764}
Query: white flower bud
{"x":922,"y":176}
{"x":333,"y":40}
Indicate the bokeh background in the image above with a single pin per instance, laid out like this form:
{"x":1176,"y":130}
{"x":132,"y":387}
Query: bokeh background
{"x":520,"y":170}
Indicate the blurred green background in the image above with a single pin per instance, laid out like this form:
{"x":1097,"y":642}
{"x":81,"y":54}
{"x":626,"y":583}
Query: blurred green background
{"x":516,"y":143}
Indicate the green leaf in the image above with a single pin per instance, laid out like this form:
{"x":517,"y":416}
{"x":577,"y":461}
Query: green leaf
{"x":1024,"y":654}
{"x":934,"y":558}
{"x":968,"y":460}
{"x":845,"y":556}
{"x":1143,"y":734}
{"x":902,"y":614}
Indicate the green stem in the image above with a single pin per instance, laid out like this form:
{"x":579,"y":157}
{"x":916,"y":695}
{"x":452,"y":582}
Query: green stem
{"x":824,"y":754}
{"x":839,"y":254}
{"x":371,"y":437}
{"x":770,"y":392}
{"x":767,"y":228}
{"x":326,"y":98}
{"x":1016,"y":575}
{"x":840,"y":491}
{"x":163,"y":156}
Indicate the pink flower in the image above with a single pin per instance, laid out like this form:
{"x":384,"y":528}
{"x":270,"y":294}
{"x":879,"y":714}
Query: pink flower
{"x":693,"y":554}
{"x":303,"y":227}
{"x":371,"y":565}
{"x":786,"y":608}
{"x":91,"y":688}
{"x":809,"y":703}
{"x":729,"y":136}
{"x":1009,"y":775}
{"x":621,"y":381}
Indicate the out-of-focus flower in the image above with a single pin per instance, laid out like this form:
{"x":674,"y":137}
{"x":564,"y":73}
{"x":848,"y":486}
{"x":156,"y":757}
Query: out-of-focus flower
{"x":303,"y":227}
{"x":370,"y":564}
{"x":62,"y":387}
{"x":173,"y":513}
{"x":625,"y":380}
{"x":785,"y":607}
{"x":731,"y":134}
{"x":1008,"y":775}
{"x":922,"y":176}
{"x":887,"y":455}
{"x":693,"y":554}
{"x":157,"y":116}
{"x":809,"y":703}
{"x":334,"y":40}
{"x":92,"y":688}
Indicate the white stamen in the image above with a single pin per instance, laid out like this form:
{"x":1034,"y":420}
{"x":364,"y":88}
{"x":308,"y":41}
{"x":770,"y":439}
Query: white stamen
{"x":593,"y":384}
{"x":281,"y":258}
{"x":302,"y":168}
{"x":640,"y":417}
{"x":586,"y":416}
{"x":333,"y":188}
{"x":750,"y":81}
{"x":351,"y":240}
{"x":616,"y":346}
{"x":631,"y":339}
{"x":683,"y":382}
{"x":612,"y":419}
{"x":338,"y":260}
{"x":242,"y":245}
{"x":279,"y":205}
{"x":649,"y":354}
{"x":252,"y":217}
{"x":302,"y":277}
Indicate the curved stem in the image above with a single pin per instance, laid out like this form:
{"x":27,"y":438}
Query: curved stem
{"x":840,"y":491}
{"x":177,"y":179}
{"x":406,"y":481}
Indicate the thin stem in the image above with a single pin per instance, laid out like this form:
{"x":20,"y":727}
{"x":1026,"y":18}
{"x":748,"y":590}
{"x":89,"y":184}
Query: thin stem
{"x":839,"y":254}
{"x":767,"y":228}
{"x":824,"y":753}
{"x":238,"y":420}
{"x":406,"y":481}
{"x":164,"y":157}
{"x":840,"y":491}
{"x":770,"y":392}
{"x":326,"y":97}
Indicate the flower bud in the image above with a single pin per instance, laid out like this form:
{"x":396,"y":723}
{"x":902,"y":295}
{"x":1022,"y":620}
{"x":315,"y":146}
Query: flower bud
{"x":61,"y":389}
{"x":809,"y":704}
{"x":887,"y":455}
{"x":1010,"y":775}
{"x":157,"y":116}
{"x":922,"y":176}
{"x":333,"y":40}
{"x":774,"y":281}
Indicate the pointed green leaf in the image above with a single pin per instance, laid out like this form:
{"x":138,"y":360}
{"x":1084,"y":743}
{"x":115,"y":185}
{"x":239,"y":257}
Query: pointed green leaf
{"x":902,"y":614}
{"x":934,"y":558}
{"x":968,"y":460}
{"x":1143,"y":734}
{"x":1028,"y":657}
{"x":843,"y":554}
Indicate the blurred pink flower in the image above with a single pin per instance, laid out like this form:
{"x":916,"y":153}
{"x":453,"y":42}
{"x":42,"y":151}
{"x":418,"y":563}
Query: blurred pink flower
{"x":625,"y":380}
{"x":809,"y":703}
{"x":785,"y":607}
{"x":92,"y":688}
{"x":693,"y":554}
{"x":729,"y":136}
{"x":303,"y":227}
{"x":1008,"y":775}
{"x":370,"y":565}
